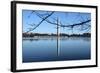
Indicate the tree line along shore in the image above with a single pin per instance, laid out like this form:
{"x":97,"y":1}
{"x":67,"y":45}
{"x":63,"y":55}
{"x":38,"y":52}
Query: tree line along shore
{"x":55,"y":35}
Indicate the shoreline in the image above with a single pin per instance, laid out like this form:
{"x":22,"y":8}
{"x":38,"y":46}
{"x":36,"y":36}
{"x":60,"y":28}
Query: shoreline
{"x":52,"y":38}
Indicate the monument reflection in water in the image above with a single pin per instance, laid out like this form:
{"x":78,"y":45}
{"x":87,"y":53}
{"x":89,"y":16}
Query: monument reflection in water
{"x":37,"y":50}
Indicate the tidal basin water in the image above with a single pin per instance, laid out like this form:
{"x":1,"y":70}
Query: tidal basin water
{"x":45,"y":49}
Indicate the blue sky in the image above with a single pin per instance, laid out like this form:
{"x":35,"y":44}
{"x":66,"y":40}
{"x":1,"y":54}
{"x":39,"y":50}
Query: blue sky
{"x":66,"y":18}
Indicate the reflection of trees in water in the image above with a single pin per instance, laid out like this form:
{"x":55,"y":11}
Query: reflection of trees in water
{"x":54,"y":38}
{"x":87,"y":39}
{"x":78,"y":38}
{"x":30,"y":39}
{"x":75,"y":38}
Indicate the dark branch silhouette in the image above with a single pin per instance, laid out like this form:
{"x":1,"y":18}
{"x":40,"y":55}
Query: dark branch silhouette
{"x":45,"y":16}
{"x":40,"y":22}
{"x":77,"y":24}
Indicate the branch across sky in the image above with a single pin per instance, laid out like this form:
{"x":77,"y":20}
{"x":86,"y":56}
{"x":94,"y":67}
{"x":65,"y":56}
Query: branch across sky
{"x":36,"y":21}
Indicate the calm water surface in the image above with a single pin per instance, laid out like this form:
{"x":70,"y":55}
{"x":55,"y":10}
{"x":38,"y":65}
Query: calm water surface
{"x":39,"y":50}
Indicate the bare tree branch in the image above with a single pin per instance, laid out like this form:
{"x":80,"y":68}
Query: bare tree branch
{"x":45,"y":16}
{"x":40,"y":22}
{"x":61,"y":25}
